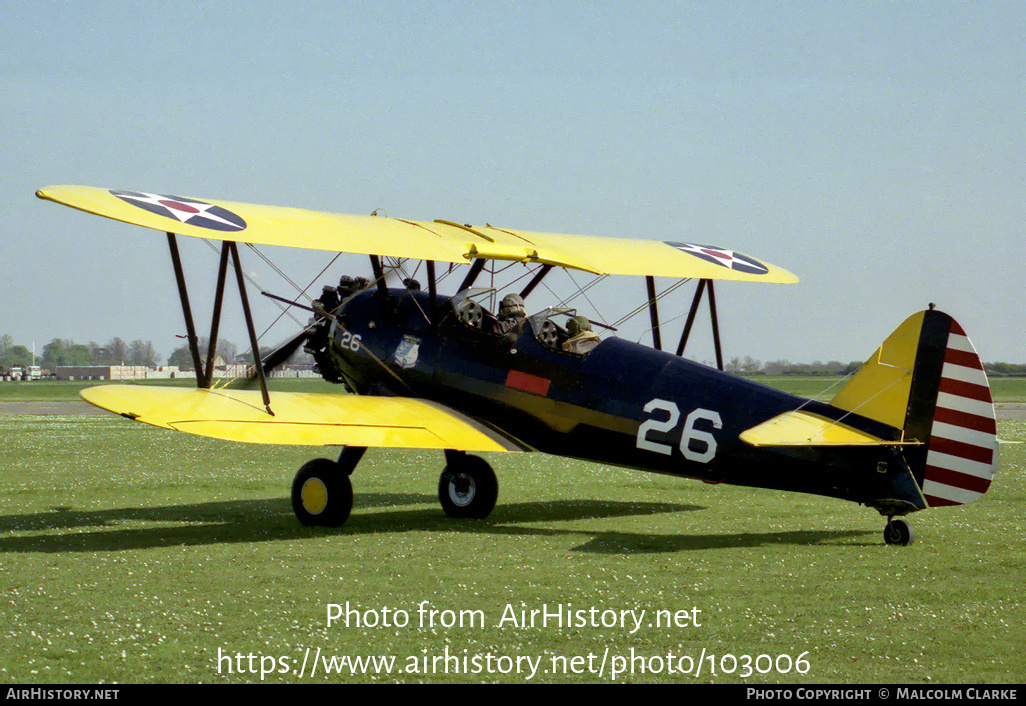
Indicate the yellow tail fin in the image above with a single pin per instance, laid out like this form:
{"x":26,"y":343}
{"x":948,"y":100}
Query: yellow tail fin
{"x":928,"y":381}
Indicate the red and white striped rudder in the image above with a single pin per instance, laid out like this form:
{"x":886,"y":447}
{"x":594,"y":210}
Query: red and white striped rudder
{"x":962,"y":451}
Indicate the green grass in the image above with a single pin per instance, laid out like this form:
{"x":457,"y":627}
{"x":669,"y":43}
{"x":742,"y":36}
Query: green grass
{"x":1008,"y":389}
{"x":132,"y":554}
{"x":40,"y":390}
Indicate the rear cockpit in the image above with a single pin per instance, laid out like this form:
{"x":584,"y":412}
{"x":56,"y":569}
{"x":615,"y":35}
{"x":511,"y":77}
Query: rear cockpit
{"x":556,"y":328}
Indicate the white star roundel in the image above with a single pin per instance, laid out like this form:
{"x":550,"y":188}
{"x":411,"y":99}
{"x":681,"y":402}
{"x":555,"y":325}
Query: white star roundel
{"x":189,"y":211}
{"x":723,"y":257}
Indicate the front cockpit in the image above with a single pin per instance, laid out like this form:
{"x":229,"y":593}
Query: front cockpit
{"x":386,"y":340}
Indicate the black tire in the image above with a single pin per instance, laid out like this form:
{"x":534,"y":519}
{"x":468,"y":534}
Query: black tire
{"x":899,"y":533}
{"x":322,"y":495}
{"x":468,"y":488}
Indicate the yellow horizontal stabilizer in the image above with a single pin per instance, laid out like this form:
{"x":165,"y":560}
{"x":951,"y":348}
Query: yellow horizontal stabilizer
{"x":800,"y":428}
{"x":441,"y":241}
{"x":305,"y":419}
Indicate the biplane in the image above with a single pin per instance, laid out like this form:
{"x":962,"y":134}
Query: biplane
{"x":912,"y":429}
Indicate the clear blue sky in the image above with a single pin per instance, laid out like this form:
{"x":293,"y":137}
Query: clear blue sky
{"x":875,"y":149}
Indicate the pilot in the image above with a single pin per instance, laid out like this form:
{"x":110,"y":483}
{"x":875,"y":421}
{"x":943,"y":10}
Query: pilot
{"x":511,"y":314}
{"x":346,"y":286}
{"x":582,"y":338}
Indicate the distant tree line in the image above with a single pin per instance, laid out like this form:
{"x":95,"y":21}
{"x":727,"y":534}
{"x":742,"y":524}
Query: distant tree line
{"x":12,"y":356}
{"x":1005,"y":370}
{"x":229,"y":353}
{"x":182,"y":356}
{"x":64,"y":352}
{"x":750,"y":366}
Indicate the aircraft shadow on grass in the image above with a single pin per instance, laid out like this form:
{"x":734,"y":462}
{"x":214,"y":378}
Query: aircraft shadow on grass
{"x":272,"y":520}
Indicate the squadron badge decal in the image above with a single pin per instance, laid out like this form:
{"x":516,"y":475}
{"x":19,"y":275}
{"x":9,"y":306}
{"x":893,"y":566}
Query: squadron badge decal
{"x":189,"y":211}
{"x":407,"y":351}
{"x":723,"y":257}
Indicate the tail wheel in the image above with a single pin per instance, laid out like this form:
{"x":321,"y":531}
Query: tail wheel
{"x":899,"y":532}
{"x":322,"y":495}
{"x":468,"y":488}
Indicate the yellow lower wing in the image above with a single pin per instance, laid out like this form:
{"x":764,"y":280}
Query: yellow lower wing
{"x":305,"y":419}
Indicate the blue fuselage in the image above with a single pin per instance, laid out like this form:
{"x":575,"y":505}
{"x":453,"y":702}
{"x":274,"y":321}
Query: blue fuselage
{"x":621,"y":404}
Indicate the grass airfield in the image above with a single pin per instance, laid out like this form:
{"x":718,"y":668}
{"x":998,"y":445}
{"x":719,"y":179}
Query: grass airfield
{"x":130,"y":554}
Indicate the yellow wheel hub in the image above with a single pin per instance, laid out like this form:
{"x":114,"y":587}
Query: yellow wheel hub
{"x":314,"y":496}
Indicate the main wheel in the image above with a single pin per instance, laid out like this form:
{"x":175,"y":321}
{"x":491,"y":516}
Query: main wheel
{"x":322,"y":495}
{"x":899,"y":532}
{"x":468,"y":488}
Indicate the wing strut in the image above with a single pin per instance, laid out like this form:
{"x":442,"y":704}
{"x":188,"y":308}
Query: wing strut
{"x":702,"y":284}
{"x":475,"y":270}
{"x":432,"y":290}
{"x":379,"y":274}
{"x":190,"y":329}
{"x":222,"y":271}
{"x":204,"y":376}
{"x":544,"y":270}
{"x":249,"y":325}
{"x":715,"y":326}
{"x":653,"y":313}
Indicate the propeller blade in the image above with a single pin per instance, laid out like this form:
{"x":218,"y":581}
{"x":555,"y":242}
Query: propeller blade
{"x":279,"y":356}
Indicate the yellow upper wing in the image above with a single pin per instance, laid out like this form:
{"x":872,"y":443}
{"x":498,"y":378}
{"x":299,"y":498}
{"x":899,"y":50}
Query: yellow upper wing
{"x":438,"y":240}
{"x":305,"y":419}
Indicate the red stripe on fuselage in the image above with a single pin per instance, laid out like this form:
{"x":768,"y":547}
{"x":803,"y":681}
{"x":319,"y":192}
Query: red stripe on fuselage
{"x":528,"y":383}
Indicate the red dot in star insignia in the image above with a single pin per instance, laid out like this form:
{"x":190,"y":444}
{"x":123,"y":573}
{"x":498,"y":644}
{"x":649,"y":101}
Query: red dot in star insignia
{"x":178,"y":206}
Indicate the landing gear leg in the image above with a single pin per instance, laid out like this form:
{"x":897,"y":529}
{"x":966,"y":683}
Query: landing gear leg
{"x":467,"y":487}
{"x":322,"y":494}
{"x":898,"y":532}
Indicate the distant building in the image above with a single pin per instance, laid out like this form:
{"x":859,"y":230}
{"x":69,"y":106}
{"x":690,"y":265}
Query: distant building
{"x":119,"y":372}
{"x":162,"y":372}
{"x":101,"y":372}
